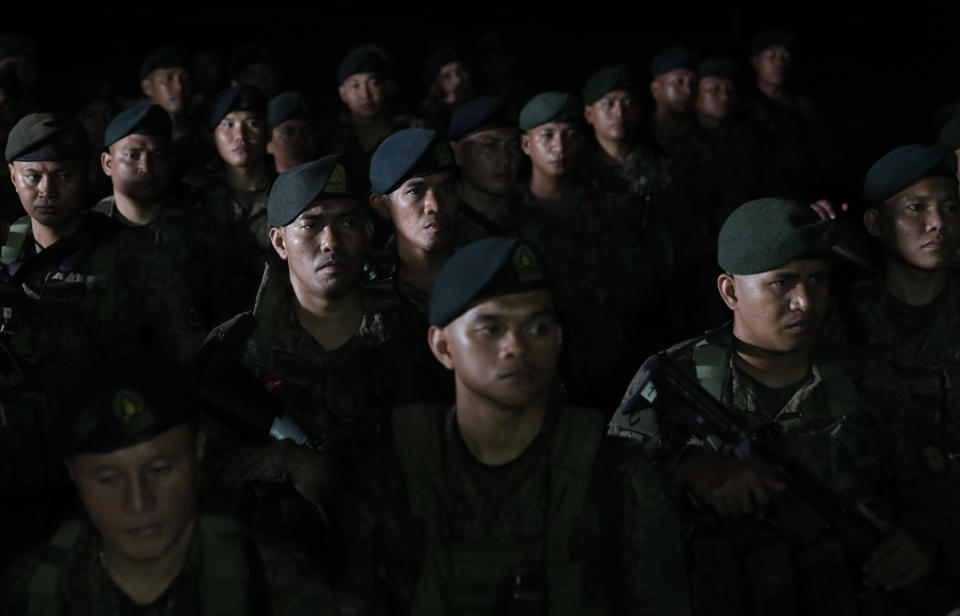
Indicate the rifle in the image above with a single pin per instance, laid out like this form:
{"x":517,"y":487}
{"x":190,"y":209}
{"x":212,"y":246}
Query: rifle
{"x":666,"y":395}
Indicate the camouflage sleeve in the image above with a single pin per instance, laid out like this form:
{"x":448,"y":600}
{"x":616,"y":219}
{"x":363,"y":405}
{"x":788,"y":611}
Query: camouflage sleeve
{"x":655,"y":567}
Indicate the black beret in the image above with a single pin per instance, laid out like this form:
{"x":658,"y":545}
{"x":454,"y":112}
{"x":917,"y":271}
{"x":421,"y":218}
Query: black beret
{"x":298,"y":187}
{"x":411,"y":152}
{"x":363,"y":59}
{"x":437,"y":60}
{"x":139,"y":120}
{"x":488,"y":268}
{"x":286,"y":106}
{"x":724,"y":68}
{"x":47,"y":137}
{"x":549,"y":107}
{"x":124,"y":401}
{"x":246,"y":55}
{"x":672,"y":58}
{"x":765,"y":234}
{"x":167,"y":56}
{"x":13,"y":44}
{"x":237,"y":98}
{"x":950,"y":133}
{"x":905,"y":165}
{"x":606,"y":80}
{"x":480,"y":114}
{"x":768,"y":39}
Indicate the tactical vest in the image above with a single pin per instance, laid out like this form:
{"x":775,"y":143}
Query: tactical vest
{"x":465,"y":578}
{"x":224,"y":571}
{"x":168,"y":231}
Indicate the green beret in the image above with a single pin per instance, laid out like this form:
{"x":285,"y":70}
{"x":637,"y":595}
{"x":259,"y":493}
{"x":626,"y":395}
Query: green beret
{"x":47,"y":137}
{"x":363,"y":59}
{"x":672,"y":58}
{"x":437,"y":60}
{"x":606,"y":80}
{"x":237,"y":98}
{"x":409,"y":153}
{"x":139,"y":120}
{"x":286,"y":106}
{"x":765,"y":234}
{"x":770,"y":38}
{"x":167,"y":56}
{"x":124,"y":401}
{"x":479,"y":114}
{"x":549,"y":107}
{"x":299,"y":187}
{"x":724,"y":68}
{"x":488,"y":268}
{"x":905,"y":165}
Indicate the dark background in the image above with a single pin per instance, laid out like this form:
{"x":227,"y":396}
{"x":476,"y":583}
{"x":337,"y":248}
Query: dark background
{"x":878,"y":77}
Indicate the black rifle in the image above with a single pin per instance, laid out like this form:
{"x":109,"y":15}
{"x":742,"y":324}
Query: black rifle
{"x":666,"y":395}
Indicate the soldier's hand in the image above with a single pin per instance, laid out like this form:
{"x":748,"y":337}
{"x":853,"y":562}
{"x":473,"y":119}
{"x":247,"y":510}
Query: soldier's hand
{"x":825,"y":209}
{"x":732,"y":487}
{"x":903,"y":557}
{"x":316,"y":475}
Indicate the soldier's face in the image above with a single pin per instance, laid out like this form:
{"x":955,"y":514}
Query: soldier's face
{"x":140,"y":167}
{"x":674,"y":90}
{"x":325,"y":248}
{"x":362,"y":93}
{"x":772,"y":64}
{"x":142,"y":499}
{"x":490,"y":160}
{"x":241,"y":138}
{"x":613,"y":117}
{"x":779,"y":310}
{"x":504,"y":350}
{"x":715,"y":97}
{"x":554,"y":148}
{"x":53,"y":193}
{"x":293,"y":142}
{"x":424,"y":211}
{"x":264,"y":76}
{"x":170,"y":88}
{"x":920,"y":225}
{"x":453,"y":82}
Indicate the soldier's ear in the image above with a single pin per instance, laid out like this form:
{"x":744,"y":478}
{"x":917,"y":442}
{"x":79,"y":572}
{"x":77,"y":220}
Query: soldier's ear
{"x":278,"y":242}
{"x":655,"y":89}
{"x":437,"y":339}
{"x":380,"y":205}
{"x":455,"y":146}
{"x":871,"y":220}
{"x":525,"y":143}
{"x":727,"y":286}
{"x":588,"y":114}
{"x":147,"y":86}
{"x":13,"y":179}
{"x":106,"y":162}
{"x":342,"y":90}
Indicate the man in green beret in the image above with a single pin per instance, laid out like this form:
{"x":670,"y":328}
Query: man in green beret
{"x":413,"y":184}
{"x":128,"y":294}
{"x":609,"y":277}
{"x":509,"y":501}
{"x":337,"y":355}
{"x":673,"y":88}
{"x":839,"y":413}
{"x":293,"y":131}
{"x":449,"y":83}
{"x":908,"y":313}
{"x":165,"y":80}
{"x":133,"y":449}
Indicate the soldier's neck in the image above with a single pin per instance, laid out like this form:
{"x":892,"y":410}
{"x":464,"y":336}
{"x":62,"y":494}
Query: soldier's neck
{"x":772,"y":90}
{"x":545,"y":186}
{"x":670,"y":122}
{"x":711,"y":124}
{"x":913,"y":286}
{"x":419,"y":267}
{"x":771,"y":368}
{"x":371,"y":131}
{"x":182,"y":126}
{"x":135,"y":213}
{"x":494,"y":207}
{"x":47,"y":236}
{"x":330,"y":322}
{"x":254,"y":177}
{"x":496,"y":435}
{"x":617,"y":149}
{"x":145,"y":581}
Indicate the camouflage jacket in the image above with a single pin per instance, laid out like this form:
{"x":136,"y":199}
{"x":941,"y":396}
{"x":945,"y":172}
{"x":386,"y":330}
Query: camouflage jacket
{"x":473,"y":225}
{"x":384,"y":274}
{"x":127,"y":294}
{"x":854,"y":428}
{"x":548,"y":524}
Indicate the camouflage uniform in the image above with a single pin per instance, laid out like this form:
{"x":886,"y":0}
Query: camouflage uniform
{"x":127,"y":294}
{"x":385,"y":276}
{"x":850,"y":425}
{"x":341,"y":136}
{"x":223,"y":574}
{"x":449,"y":534}
{"x":473,"y":226}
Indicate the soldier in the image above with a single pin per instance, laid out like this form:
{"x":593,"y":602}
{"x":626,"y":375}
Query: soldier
{"x":293,"y":134}
{"x":450,"y":84}
{"x":253,"y":65}
{"x":908,"y":313}
{"x":506,"y":500}
{"x":337,"y":355}
{"x":413,"y":183}
{"x":673,"y":86}
{"x":165,"y":79}
{"x":838,"y":413}
{"x":486,"y":144}
{"x":128,"y":294}
{"x":133,"y":448}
